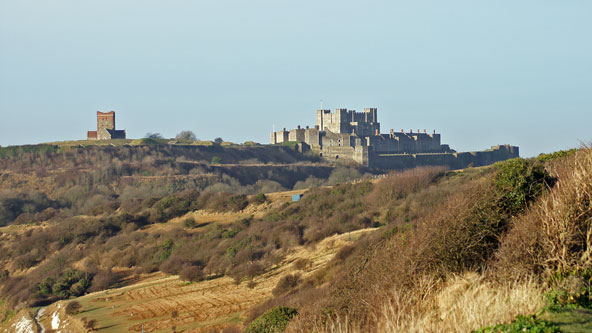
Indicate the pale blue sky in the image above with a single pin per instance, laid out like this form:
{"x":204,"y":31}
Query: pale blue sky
{"x":479,"y":72}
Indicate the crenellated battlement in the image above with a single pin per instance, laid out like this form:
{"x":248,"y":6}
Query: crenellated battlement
{"x":349,"y":121}
{"x":355,"y":136}
{"x":348,"y":128}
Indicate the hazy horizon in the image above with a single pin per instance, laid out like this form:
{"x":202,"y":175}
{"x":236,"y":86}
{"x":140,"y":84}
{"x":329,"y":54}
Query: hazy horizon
{"x":479,"y":73}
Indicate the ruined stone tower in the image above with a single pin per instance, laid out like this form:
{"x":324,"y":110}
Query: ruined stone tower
{"x":105,"y":128}
{"x":105,"y":120}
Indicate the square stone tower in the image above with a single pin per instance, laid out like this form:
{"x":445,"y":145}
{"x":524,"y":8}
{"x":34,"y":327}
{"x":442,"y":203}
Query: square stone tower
{"x":106,"y":128}
{"x":105,"y":120}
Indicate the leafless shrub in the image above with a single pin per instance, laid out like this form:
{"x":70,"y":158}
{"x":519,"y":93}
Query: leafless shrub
{"x":302,"y":263}
{"x":344,"y":252}
{"x":246,"y":270}
{"x":73,"y":307}
{"x":91,"y":324}
{"x":25,"y":261}
{"x":191,"y":273}
{"x":398,"y":185}
{"x":286,"y":284}
{"x":103,"y":280}
{"x":173,"y":264}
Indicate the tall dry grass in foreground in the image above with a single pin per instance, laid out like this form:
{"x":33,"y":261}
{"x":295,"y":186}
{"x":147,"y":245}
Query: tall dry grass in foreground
{"x":555,"y":235}
{"x":465,"y":303}
{"x":566,"y":215}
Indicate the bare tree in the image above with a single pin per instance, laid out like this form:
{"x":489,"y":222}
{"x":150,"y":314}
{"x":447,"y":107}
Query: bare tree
{"x":151,"y":135}
{"x":186,"y":136}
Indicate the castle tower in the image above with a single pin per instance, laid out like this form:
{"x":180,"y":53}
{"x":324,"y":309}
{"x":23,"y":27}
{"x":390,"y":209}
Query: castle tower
{"x":371,"y":115}
{"x":322,"y":116}
{"x":105,"y":120}
{"x":105,"y":128}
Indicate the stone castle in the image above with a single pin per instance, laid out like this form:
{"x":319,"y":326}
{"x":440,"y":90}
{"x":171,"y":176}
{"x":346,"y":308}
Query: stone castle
{"x":353,"y":136}
{"x":105,"y":128}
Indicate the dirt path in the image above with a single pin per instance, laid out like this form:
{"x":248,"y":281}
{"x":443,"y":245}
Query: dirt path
{"x":37,"y":318}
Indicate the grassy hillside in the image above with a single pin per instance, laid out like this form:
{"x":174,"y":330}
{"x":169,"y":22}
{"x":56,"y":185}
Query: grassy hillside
{"x":480,"y":248}
{"x":507,"y":244}
{"x":80,"y":219}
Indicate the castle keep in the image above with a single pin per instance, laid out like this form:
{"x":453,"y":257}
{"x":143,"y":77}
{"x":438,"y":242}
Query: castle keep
{"x":355,"y":136}
{"x":105,"y":128}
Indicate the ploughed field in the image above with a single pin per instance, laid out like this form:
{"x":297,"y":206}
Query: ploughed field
{"x":159,"y":302}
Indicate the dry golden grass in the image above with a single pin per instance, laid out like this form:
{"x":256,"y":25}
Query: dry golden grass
{"x":204,"y":217}
{"x":463,"y":304}
{"x":555,"y":235}
{"x":566,"y":215}
{"x":470,"y":301}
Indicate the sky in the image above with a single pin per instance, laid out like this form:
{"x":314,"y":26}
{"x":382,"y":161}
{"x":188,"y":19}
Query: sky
{"x":481,"y":73}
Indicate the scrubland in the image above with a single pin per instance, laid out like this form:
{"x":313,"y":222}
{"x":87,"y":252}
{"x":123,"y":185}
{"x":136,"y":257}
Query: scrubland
{"x":511,"y":247}
{"x":440,"y":250}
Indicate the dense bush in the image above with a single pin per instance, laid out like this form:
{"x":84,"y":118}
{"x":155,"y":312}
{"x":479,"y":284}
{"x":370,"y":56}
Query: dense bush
{"x":260,"y":198}
{"x":70,"y":283}
{"x":189,"y":223}
{"x":273,"y":321}
{"x":519,"y":182}
{"x":556,"y":155}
